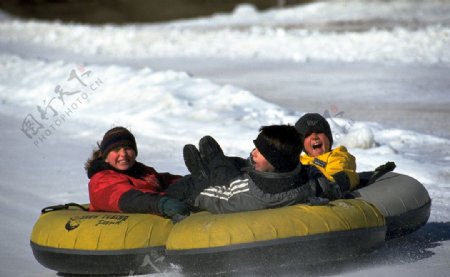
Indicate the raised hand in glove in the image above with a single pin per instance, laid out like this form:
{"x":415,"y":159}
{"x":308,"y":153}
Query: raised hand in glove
{"x":170,"y":207}
{"x":329,"y":189}
{"x":381,"y":170}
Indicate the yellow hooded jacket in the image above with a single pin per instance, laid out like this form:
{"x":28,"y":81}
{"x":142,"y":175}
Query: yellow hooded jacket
{"x":334,"y":161}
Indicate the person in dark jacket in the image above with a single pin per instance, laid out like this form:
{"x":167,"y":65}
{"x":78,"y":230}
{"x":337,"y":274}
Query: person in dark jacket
{"x":118,"y":183}
{"x":274,"y":179}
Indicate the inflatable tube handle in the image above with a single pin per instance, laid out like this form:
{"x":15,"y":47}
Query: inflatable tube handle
{"x":62,"y":207}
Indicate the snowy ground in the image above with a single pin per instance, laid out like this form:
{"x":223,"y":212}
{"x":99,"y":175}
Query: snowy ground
{"x":378,"y":69}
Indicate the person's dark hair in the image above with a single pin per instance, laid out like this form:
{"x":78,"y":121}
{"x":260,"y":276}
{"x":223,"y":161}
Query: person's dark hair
{"x":280,"y":145}
{"x":96,"y":154}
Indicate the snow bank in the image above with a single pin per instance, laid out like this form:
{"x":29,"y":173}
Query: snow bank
{"x":245,"y":34}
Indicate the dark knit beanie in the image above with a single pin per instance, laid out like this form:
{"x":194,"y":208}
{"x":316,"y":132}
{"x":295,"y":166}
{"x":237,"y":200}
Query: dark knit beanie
{"x":283,"y":159}
{"x":116,"y":137}
{"x":313,"y":123}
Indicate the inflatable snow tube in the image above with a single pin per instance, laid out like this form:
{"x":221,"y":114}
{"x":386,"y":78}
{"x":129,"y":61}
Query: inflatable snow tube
{"x":269,"y":238}
{"x":75,"y":241}
{"x":403,"y":201}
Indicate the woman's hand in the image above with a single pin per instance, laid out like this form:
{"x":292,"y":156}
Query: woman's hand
{"x":170,"y":207}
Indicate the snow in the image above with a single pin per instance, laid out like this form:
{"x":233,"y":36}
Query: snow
{"x":87,"y":79}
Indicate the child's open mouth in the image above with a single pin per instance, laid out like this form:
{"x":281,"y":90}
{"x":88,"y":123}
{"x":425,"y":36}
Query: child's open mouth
{"x":316,"y":145}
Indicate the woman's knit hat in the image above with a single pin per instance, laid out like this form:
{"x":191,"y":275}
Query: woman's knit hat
{"x":116,"y":137}
{"x":313,"y":123}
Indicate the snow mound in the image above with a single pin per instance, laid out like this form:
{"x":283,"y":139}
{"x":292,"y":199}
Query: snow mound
{"x":361,"y":137}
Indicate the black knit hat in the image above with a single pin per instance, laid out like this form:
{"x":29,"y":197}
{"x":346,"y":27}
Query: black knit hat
{"x":116,"y":137}
{"x":280,"y":145}
{"x":313,"y":123}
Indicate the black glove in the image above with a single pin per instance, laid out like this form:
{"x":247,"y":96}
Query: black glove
{"x":170,"y":207}
{"x":329,"y":189}
{"x":387,"y":167}
{"x":342,"y":180}
{"x":381,"y":170}
{"x":317,"y":201}
{"x":333,"y":192}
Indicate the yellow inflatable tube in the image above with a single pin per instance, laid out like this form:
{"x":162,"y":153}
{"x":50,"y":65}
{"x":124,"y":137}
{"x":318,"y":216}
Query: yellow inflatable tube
{"x":75,"y":241}
{"x":97,"y":231}
{"x":259,"y":242}
{"x":212,"y":233}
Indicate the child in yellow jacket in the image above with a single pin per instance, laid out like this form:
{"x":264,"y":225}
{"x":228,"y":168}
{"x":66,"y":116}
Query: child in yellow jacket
{"x":338,"y":165}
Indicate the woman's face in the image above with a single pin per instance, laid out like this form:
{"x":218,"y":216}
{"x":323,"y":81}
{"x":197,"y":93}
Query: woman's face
{"x":316,"y":144}
{"x":121,"y":158}
{"x":260,"y":163}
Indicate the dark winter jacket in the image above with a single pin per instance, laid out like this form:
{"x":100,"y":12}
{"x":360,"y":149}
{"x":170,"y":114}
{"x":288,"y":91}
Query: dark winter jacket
{"x":136,"y":190}
{"x":222,"y":172}
{"x":256,"y":190}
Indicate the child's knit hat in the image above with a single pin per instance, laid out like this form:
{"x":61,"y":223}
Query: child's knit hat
{"x":313,"y":123}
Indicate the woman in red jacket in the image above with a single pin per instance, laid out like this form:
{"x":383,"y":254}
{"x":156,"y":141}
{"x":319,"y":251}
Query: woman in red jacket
{"x":118,"y":183}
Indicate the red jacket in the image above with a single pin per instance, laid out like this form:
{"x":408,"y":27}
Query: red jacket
{"x":107,"y":185}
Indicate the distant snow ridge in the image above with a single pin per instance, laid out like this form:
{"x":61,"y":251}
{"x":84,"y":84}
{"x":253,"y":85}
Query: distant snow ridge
{"x":409,"y":13}
{"x":160,"y":103}
{"x":429,"y":45}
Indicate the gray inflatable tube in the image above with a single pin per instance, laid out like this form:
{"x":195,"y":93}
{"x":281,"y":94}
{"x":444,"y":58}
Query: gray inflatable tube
{"x":403,"y":201}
